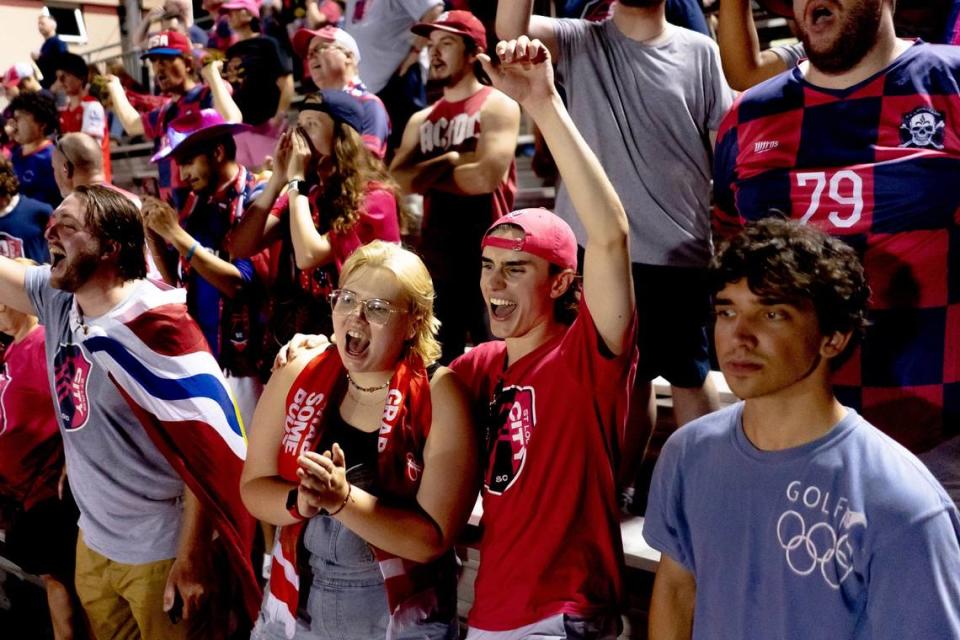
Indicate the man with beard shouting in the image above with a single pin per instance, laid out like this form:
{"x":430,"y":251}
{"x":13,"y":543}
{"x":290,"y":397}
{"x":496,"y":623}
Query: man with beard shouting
{"x":458,"y":153}
{"x":171,"y":58}
{"x":151,"y":434}
{"x":646,"y":96}
{"x":860,"y":141}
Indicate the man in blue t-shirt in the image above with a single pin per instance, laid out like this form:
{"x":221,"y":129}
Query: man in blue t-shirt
{"x":22,"y":219}
{"x":788,"y":515}
{"x":35,"y":119}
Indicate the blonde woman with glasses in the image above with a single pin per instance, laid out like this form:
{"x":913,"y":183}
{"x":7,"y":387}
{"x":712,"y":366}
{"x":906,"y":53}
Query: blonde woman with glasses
{"x":365,"y":452}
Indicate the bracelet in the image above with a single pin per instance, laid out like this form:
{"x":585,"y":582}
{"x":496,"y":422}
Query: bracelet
{"x":346,"y":499}
{"x":292,"y":507}
{"x":192,"y":250}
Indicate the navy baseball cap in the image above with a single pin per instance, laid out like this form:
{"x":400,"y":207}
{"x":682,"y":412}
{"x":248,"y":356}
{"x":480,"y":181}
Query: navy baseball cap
{"x":339,"y":105}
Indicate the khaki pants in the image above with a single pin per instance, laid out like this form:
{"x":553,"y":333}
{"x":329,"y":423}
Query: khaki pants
{"x":124,"y":601}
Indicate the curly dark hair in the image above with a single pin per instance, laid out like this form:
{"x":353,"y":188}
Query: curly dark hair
{"x":786,"y":260}
{"x":9,"y":184}
{"x":42,"y":107}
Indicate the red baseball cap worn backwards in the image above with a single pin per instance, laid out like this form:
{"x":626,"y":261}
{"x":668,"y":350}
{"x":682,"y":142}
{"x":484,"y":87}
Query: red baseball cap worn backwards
{"x":462,"y":23}
{"x":545,"y":235}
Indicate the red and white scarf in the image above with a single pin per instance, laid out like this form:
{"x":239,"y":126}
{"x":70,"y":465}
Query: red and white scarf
{"x":411,"y":586}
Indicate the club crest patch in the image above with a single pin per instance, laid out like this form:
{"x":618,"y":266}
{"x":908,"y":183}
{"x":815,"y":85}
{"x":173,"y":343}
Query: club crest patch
{"x":71,"y":375}
{"x":922,"y":128}
{"x":515,"y":411}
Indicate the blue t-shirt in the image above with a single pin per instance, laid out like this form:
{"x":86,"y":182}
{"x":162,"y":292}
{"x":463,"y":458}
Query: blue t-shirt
{"x":35,"y":173}
{"x":21,"y":230}
{"x":848,"y":536}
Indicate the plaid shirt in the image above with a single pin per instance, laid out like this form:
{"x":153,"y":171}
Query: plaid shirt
{"x":877,"y":165}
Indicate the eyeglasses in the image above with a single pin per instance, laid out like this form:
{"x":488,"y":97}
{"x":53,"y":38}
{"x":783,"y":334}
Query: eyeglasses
{"x":375,"y":310}
{"x":59,"y":147}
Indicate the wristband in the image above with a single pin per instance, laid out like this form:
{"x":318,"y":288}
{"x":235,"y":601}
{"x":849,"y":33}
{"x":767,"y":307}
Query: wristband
{"x":191,"y":251}
{"x":299,"y":185}
{"x":292,"y":507}
{"x":346,"y":499}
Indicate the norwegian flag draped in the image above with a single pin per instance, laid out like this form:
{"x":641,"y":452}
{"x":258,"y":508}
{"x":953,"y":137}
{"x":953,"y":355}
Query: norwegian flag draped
{"x":157,"y":356}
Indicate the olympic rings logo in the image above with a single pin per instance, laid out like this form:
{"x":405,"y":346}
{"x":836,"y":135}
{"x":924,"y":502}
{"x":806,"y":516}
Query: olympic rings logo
{"x":818,"y":546}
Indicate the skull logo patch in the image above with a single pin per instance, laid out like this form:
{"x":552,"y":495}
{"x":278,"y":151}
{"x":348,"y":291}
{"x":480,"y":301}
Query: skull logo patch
{"x":922,"y":128}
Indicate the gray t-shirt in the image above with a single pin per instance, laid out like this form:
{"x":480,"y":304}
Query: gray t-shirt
{"x":382,"y":32}
{"x":129,"y":496}
{"x":646,"y":111}
{"x":791,"y":54}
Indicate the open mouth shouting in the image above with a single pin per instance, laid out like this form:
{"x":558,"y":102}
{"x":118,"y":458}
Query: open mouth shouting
{"x":820,"y":15}
{"x":356,"y":343}
{"x":57,"y":257}
{"x":501,"y":308}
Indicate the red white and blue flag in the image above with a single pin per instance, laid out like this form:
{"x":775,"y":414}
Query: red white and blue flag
{"x":157,"y":356}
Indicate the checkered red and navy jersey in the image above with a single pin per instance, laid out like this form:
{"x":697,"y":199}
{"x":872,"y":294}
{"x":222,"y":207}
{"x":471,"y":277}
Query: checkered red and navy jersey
{"x":878,"y":165}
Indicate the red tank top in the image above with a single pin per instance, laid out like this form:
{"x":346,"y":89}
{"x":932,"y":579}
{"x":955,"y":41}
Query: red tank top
{"x":455,"y":126}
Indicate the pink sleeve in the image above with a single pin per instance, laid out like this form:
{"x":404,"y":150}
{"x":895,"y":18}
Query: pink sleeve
{"x":380,"y":221}
{"x":377,"y":222}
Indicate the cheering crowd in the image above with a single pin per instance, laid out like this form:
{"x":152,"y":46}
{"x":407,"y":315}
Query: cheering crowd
{"x":270,"y":356}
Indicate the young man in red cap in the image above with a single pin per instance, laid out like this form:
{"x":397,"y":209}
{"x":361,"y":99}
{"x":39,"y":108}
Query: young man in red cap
{"x":458,"y":153}
{"x":171,"y":58}
{"x":331,"y":56}
{"x":556,"y":386}
{"x":647,"y":95}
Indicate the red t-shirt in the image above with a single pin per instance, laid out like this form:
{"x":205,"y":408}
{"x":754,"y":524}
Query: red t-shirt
{"x":378,"y":221}
{"x":31,"y":451}
{"x":89,"y":117}
{"x":551,"y":527}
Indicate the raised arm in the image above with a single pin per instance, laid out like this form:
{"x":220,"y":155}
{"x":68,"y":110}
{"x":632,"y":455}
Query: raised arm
{"x":310,"y":247}
{"x":515,"y":18}
{"x":257,"y":225}
{"x":121,"y":107}
{"x":672,"y":602}
{"x":744,"y":64}
{"x":13,"y":291}
{"x":526,"y":74}
{"x":223,"y":102}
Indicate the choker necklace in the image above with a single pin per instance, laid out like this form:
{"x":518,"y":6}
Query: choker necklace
{"x":367,"y":389}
